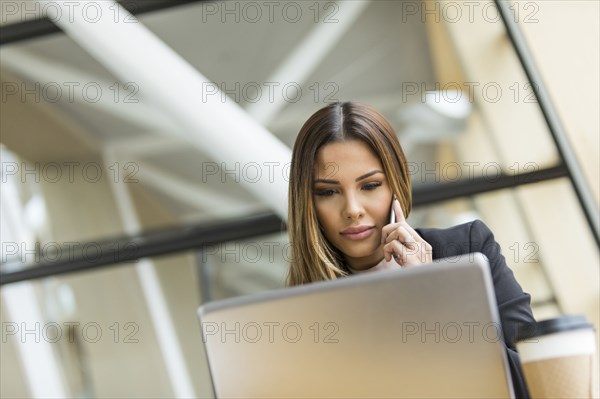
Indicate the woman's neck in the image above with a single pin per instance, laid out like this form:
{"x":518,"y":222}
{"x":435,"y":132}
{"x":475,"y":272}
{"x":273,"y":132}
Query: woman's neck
{"x":382,"y":265}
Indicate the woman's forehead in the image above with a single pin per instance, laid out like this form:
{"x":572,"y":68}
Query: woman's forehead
{"x":347,"y":157}
{"x":345,"y":149}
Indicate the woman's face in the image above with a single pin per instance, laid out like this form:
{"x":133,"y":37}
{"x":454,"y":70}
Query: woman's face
{"x":352,"y":199}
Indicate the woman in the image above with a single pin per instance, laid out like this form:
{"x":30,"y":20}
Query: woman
{"x":347,"y":166}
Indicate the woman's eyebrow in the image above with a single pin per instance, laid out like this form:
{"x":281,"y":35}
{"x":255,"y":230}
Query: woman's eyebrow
{"x":327,"y":181}
{"x":359,"y":178}
{"x":368,"y":175}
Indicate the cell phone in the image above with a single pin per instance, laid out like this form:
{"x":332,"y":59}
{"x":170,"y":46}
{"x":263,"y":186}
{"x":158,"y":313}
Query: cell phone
{"x":393,"y":219}
{"x":392,"y":213}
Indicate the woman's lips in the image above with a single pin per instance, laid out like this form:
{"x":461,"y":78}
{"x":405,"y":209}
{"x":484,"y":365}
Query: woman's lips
{"x":358,"y":233}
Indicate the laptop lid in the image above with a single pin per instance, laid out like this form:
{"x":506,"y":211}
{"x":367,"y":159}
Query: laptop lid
{"x":427,"y":331}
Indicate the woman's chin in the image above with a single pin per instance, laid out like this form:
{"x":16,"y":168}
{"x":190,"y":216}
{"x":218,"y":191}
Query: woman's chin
{"x":364,"y":255}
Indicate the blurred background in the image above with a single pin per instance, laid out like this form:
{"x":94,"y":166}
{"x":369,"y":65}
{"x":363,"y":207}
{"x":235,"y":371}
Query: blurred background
{"x":145,"y":159}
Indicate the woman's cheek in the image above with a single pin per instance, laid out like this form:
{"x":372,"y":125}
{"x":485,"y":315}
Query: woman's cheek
{"x":324,"y":215}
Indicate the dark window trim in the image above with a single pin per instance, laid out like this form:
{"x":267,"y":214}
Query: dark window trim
{"x":126,"y":249}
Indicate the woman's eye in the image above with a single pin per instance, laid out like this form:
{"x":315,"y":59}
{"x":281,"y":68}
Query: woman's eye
{"x":325,"y":192}
{"x":371,"y":186}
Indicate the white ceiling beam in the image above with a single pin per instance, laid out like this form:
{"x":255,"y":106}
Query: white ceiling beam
{"x":192,"y":194}
{"x":306,"y":57}
{"x":59,"y":82}
{"x":147,"y":145}
{"x":222,"y":130}
{"x":46,"y":72}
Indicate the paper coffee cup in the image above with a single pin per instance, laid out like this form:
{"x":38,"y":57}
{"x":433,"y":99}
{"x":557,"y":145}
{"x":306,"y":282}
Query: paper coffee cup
{"x":558,"y":358}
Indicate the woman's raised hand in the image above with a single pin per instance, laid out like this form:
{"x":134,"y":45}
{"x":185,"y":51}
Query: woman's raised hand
{"x":403,"y":243}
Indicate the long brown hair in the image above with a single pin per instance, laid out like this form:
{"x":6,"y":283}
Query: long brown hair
{"x":313,"y":256}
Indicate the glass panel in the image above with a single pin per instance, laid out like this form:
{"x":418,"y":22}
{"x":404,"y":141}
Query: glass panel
{"x":246,"y":267}
{"x":105,"y":330}
{"x":576,"y":107}
{"x":101,"y":324}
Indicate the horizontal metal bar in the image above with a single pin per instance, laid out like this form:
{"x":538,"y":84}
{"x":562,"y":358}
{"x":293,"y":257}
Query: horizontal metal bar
{"x":15,"y":32}
{"x":478,"y":185}
{"x":164,"y":242}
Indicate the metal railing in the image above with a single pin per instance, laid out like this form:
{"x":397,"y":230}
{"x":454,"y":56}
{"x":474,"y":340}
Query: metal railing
{"x":121,"y":250}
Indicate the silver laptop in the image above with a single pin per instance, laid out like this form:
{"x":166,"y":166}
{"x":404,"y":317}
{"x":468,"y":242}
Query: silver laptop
{"x":428,"y":331}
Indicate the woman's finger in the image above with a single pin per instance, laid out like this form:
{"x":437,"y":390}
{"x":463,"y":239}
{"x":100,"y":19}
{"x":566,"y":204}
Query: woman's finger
{"x":401,"y":219}
{"x":399,"y":213}
{"x":401,"y":234}
{"x":396,"y":250}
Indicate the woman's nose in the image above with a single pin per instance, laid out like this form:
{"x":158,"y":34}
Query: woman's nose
{"x":353,"y":208}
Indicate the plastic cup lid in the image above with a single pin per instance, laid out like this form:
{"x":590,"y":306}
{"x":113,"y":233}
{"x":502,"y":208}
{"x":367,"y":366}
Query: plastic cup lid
{"x":559,"y":324}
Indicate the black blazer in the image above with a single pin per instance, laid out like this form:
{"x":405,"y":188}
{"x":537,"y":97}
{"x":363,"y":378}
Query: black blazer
{"x":513,"y":304}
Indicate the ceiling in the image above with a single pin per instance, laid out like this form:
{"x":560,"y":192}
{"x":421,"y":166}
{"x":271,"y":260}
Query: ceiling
{"x":369,"y":61}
